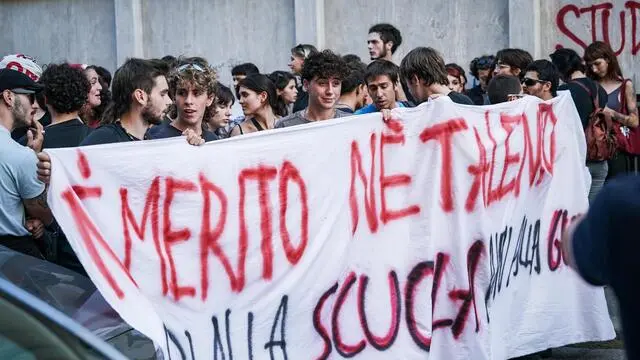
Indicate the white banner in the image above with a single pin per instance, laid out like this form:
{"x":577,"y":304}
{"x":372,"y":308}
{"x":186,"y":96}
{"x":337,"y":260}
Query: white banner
{"x":436,"y":237}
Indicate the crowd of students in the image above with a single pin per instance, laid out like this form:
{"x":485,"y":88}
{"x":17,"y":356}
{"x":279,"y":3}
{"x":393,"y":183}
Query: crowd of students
{"x":69,"y":105}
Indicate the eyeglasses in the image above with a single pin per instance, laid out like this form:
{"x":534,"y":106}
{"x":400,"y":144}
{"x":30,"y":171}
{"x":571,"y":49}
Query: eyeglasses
{"x":532,"y":82}
{"x":195,"y":67}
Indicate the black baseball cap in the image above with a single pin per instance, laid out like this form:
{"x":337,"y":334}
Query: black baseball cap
{"x":18,"y":82}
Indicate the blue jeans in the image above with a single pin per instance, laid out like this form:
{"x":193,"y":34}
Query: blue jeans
{"x":598,"y":171}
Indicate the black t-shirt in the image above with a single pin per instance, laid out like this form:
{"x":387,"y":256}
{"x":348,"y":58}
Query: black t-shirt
{"x":582,"y":98}
{"x":108,"y":134}
{"x":66,"y":134}
{"x":164,"y":131}
{"x":460,"y":98}
{"x":63,"y":135}
{"x":476,"y":95}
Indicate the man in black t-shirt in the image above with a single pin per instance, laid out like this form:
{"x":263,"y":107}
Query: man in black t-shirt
{"x":140,"y":99}
{"x":424,"y":71}
{"x":583,"y":90}
{"x":192,"y":84}
{"x":541,"y":79}
{"x":65,"y":92}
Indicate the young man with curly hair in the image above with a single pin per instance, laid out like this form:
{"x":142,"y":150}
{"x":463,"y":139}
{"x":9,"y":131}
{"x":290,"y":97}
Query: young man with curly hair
{"x":192,"y":84}
{"x":322,"y":75}
{"x":65,"y":93}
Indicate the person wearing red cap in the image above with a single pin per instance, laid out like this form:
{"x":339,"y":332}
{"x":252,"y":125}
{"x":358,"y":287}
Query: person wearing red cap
{"x":22,"y":194}
{"x":28,"y":66}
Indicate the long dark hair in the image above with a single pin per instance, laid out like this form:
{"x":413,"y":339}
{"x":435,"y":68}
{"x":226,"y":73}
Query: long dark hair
{"x":602,"y":50}
{"x":281,"y":79}
{"x":261,"y":83}
{"x":133,"y":74}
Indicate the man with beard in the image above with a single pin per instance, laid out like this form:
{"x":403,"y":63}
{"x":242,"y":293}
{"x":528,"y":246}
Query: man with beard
{"x":140,"y":96}
{"x":541,"y":79}
{"x":21,"y":194}
{"x":382,"y":42}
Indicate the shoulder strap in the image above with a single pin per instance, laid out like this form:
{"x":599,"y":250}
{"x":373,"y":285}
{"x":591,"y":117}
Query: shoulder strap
{"x":257,"y":124}
{"x":596,"y":100}
{"x":623,"y":97}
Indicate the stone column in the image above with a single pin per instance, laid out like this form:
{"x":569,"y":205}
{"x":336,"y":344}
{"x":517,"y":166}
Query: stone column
{"x":309,"y":22}
{"x":129,"y":35}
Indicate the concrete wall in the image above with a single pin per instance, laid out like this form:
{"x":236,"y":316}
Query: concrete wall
{"x":58,"y":30}
{"x":570,"y":24}
{"x":228,"y":32}
{"x":460,"y":30}
{"x":542,"y":26}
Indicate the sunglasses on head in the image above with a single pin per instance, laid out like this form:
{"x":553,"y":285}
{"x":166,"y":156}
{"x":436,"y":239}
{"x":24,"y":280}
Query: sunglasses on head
{"x":195,"y":67}
{"x":532,"y":82}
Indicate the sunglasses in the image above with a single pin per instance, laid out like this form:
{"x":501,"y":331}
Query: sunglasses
{"x":195,"y":67}
{"x":532,"y":82}
{"x":31,"y":97}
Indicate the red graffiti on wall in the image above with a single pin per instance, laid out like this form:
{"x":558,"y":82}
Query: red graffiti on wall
{"x":601,"y":13}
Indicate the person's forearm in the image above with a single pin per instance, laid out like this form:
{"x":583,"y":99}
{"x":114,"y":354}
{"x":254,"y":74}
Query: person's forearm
{"x":626,"y":120}
{"x":39,"y":209}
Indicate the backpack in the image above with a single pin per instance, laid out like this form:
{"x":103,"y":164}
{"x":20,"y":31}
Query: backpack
{"x":600,"y":133}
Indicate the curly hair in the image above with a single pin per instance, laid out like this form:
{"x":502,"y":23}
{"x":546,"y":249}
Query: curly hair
{"x":196,"y":72}
{"x":66,"y":89}
{"x":324,"y":65}
{"x":484,"y":62}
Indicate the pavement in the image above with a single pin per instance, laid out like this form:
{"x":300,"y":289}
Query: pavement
{"x":573,"y":353}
